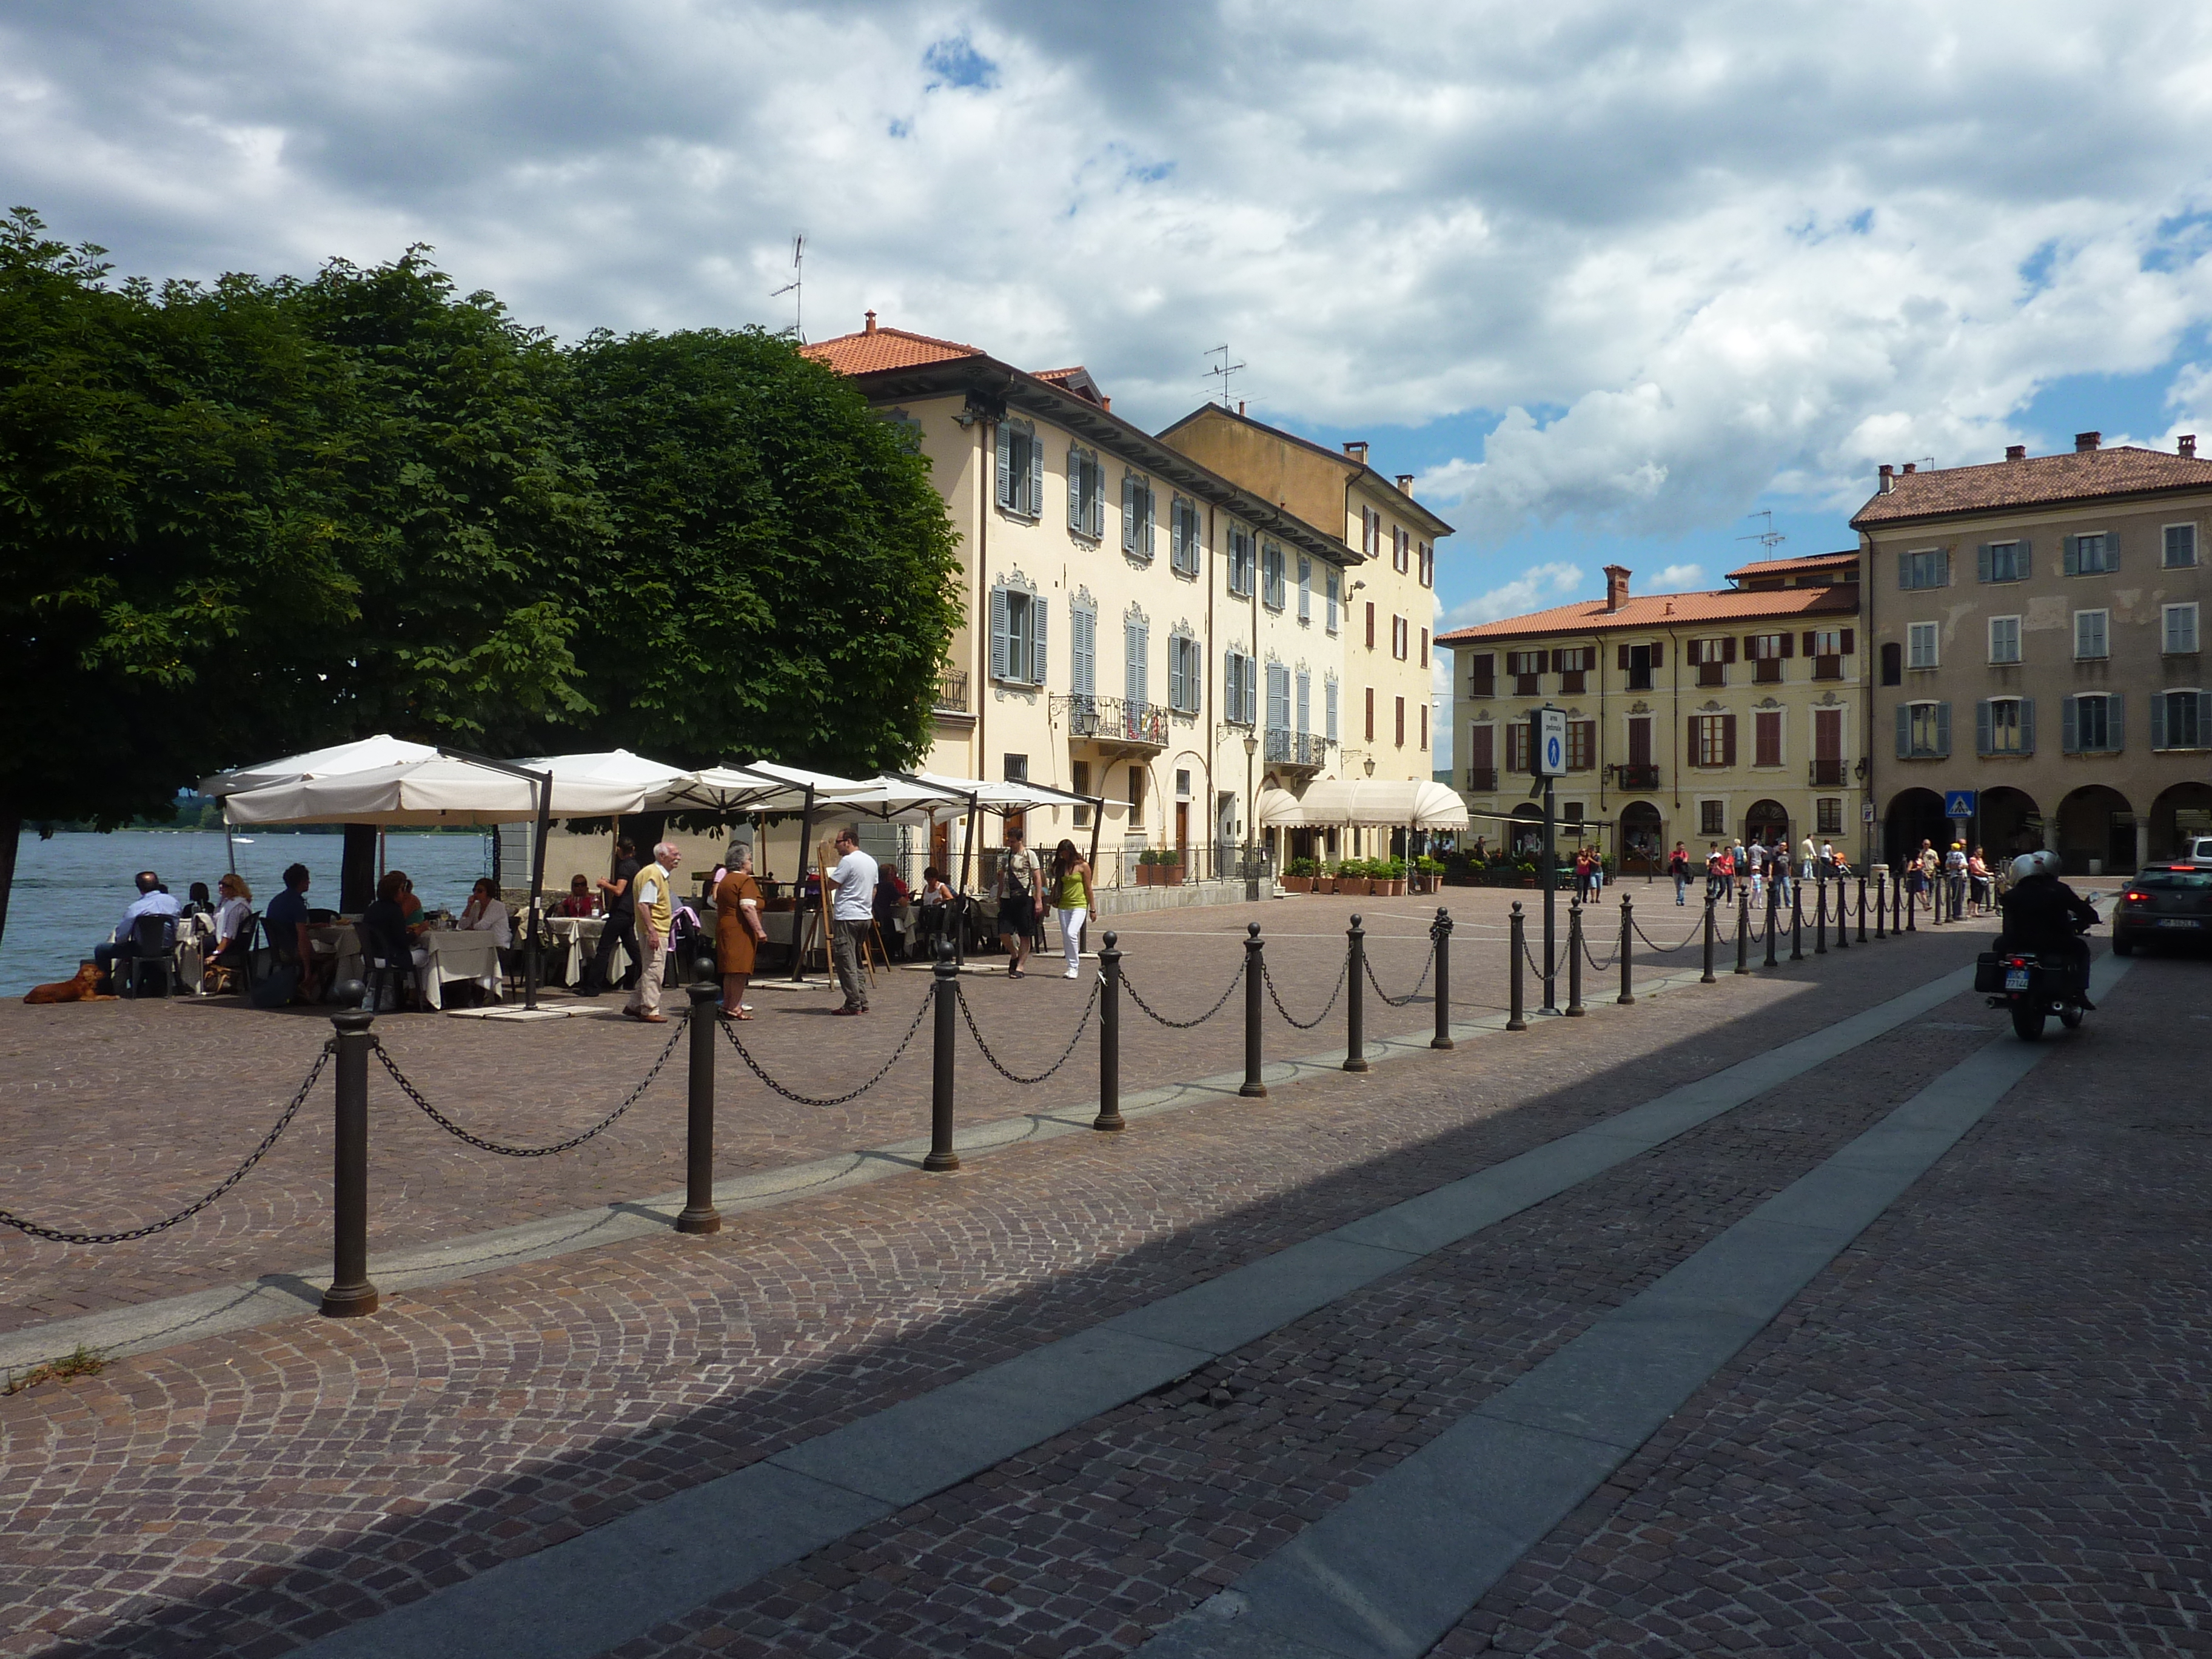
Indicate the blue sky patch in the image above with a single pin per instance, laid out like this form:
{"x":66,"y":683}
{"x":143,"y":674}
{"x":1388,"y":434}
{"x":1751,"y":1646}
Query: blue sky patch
{"x":956,"y":63}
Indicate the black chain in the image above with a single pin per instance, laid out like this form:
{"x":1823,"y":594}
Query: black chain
{"x":1413,"y":995}
{"x":299,"y":1099}
{"x":1590,"y":956}
{"x":1267,"y":976}
{"x":1695,"y":934}
{"x":998,"y":1065}
{"x":481,"y":1145}
{"x":1149,"y":1013}
{"x":1535,"y":966}
{"x":745,"y":1053}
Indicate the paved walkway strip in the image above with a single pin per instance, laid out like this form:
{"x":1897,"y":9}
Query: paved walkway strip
{"x":612,"y":1583}
{"x":1386,"y":1575}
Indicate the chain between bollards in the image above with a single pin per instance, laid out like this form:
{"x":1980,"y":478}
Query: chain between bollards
{"x":1355,"y":1010}
{"x":350,"y":1294}
{"x":1628,"y":925}
{"x":1441,"y":932}
{"x":1707,"y":978}
{"x":1253,"y":1089}
{"x":945,"y":983}
{"x":1514,"y":1021}
{"x":699,"y":1214}
{"x":1109,"y":1036}
{"x":1575,"y":950}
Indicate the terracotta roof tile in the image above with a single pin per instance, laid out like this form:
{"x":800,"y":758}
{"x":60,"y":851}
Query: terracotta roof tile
{"x":874,"y":348}
{"x":2040,"y":481}
{"x":1793,"y":567}
{"x":1660,"y":611}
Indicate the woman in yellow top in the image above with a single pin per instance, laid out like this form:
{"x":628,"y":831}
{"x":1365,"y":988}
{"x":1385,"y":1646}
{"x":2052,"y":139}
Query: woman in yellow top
{"x":1070,"y":888}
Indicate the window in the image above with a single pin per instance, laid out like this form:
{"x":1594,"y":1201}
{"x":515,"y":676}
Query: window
{"x":2092,"y":725}
{"x":1767,"y":652}
{"x":1422,"y":707}
{"x":1240,"y":561}
{"x":1582,"y":745}
{"x":1482,"y":680}
{"x":1767,"y":737}
{"x":1021,"y":469}
{"x":1304,"y":701}
{"x":1892,"y":664}
{"x":1828,"y":813}
{"x":1083,"y":653}
{"x":2091,"y":635}
{"x":1306,"y":588}
{"x":1712,"y":819}
{"x":1014,"y":769}
{"x":1328,"y":697}
{"x":2181,"y":546}
{"x":1237,"y":689}
{"x":1482,"y":760}
{"x":1086,"y":493}
{"x":1712,"y":740}
{"x":2095,"y":555}
{"x":1929,"y":568}
{"x":1136,"y":663}
{"x":1397,"y":638}
{"x":1401,"y":722}
{"x":1184,"y":673}
{"x":1921,"y":642}
{"x":1335,"y":581}
{"x":1370,"y":624}
{"x":1078,"y":783}
{"x":1527,"y":668}
{"x":1827,"y":647}
{"x":1428,"y":565}
{"x":2005,"y":726}
{"x":1923,"y":730}
{"x":1572,"y":666}
{"x":1516,"y":746}
{"x":1636,"y":662}
{"x":1186,"y":535}
{"x":2180,"y":719}
{"x":2001,"y":562}
{"x":1139,"y":505}
{"x":1711,"y":658}
{"x":1425,"y":647}
{"x":1401,"y":546}
{"x":1136,"y":798}
{"x":1017,"y":636}
{"x":2178,"y":630}
{"x":2004,"y":639}
{"x":1371,"y":714}
{"x":1271,"y":594}
{"x":1371,"y":531}
{"x":1278,"y":698}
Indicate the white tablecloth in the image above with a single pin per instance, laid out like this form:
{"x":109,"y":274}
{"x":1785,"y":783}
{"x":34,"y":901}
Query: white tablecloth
{"x":455,"y":956}
{"x":581,"y":934}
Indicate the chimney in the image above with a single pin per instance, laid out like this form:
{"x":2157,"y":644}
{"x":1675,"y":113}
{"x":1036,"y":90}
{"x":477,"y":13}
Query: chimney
{"x":2015,"y":452}
{"x":1616,"y":587}
{"x":2187,"y":444}
{"x":1405,"y":483}
{"x":1240,"y":405}
{"x":1911,"y":467}
{"x":870,"y":328}
{"x":2086,"y":442}
{"x":1106,"y":404}
{"x":1889,"y":478}
{"x":1357,"y":451}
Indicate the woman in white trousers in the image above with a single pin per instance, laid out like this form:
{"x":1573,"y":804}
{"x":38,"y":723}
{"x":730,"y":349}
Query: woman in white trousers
{"x":1069,"y":886}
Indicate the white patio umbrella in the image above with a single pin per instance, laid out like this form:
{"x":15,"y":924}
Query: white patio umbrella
{"x":363,"y":755}
{"x":616,"y":767}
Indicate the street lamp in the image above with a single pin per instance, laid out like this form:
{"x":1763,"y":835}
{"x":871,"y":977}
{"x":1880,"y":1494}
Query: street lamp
{"x":1251,"y":799}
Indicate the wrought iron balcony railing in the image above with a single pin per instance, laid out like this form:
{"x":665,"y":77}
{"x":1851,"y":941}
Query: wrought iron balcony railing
{"x":952,"y":691}
{"x":1287,"y":748}
{"x":1638,"y":777}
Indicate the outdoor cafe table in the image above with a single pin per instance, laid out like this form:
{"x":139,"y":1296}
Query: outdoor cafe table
{"x":455,"y":956}
{"x":582,"y":935}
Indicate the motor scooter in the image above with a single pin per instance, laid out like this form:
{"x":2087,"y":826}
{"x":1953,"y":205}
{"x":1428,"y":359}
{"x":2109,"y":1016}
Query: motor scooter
{"x":2034,"y":985}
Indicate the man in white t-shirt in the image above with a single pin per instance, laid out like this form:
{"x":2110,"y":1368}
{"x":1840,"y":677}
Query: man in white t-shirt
{"x":653,"y":889}
{"x":852,"y":913}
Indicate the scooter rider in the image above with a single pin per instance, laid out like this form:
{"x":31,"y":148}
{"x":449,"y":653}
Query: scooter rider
{"x":2042,"y":912}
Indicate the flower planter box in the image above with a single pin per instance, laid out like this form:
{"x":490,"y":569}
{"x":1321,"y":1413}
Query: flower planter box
{"x":1351,"y":886}
{"x":1398,"y":888}
{"x":1170,"y":875}
{"x":1323,"y":885}
{"x":1528,"y":881}
{"x":1297,"y":884}
{"x":1148,"y":874}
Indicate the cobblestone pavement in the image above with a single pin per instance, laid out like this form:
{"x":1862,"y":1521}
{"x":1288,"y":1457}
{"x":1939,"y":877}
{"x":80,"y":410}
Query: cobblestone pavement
{"x":117,"y":1113}
{"x":244,"y":1492}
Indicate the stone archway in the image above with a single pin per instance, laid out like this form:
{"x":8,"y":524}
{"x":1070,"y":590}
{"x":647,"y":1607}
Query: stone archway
{"x":1642,"y":839}
{"x":1767,"y":821}
{"x":2009,"y":823}
{"x":1914,"y":816}
{"x":1526,"y":830}
{"x":2184,"y":811}
{"x":2096,"y":832}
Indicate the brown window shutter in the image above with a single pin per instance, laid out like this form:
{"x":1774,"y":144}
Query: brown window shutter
{"x":1624,"y":659}
{"x":1727,"y":649}
{"x":1812,"y":643}
{"x":1695,"y":760}
{"x":1697,"y":653}
{"x":1788,"y":645}
{"x":1728,"y":740}
{"x":1658,"y":655}
{"x":1850,"y":640}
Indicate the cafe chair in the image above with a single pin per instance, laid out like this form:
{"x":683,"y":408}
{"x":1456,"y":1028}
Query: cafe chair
{"x":387,"y":980}
{"x":153,"y":947}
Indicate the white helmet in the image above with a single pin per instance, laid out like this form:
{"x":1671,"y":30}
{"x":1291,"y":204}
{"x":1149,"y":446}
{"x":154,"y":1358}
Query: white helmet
{"x":2042,"y":863}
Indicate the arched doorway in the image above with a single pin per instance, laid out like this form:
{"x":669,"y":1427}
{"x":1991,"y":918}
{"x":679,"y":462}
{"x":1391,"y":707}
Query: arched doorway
{"x":2097,"y":832}
{"x":1642,"y":839}
{"x":2184,"y":811}
{"x":1767,"y":821}
{"x":2009,"y":823}
{"x":1914,"y":816}
{"x":1527,"y":831}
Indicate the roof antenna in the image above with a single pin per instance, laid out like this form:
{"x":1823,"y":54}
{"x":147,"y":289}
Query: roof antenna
{"x":1770,"y":538}
{"x":1223,"y":369}
{"x":797,"y":286}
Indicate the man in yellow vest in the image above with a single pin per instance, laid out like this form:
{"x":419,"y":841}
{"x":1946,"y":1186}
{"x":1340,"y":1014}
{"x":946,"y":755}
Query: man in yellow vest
{"x":654,"y":890}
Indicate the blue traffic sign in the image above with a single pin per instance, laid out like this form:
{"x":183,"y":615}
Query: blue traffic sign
{"x":1959,"y":803}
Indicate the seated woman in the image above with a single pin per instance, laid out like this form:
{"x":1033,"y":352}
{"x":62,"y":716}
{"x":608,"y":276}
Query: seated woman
{"x":226,"y":949}
{"x":386,"y":943}
{"x":487,"y":913}
{"x":578,"y":903}
{"x":933,"y":904}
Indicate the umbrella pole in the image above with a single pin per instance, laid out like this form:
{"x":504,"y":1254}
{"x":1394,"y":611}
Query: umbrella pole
{"x":1097,"y":823}
{"x":799,"y":892}
{"x":536,"y":886}
{"x":230,"y":846}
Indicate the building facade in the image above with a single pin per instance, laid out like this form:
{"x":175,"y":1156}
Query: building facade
{"x":2037,"y":629}
{"x":1691,"y":717}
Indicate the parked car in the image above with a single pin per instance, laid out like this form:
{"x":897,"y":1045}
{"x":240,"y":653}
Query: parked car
{"x":2200,"y":850}
{"x":2165,"y":901}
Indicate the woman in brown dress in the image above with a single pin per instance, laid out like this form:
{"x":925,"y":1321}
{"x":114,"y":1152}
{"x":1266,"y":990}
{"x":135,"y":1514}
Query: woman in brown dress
{"x":738,"y":929}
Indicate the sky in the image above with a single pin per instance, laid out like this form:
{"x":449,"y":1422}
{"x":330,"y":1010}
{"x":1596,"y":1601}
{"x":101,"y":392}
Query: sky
{"x":1615,"y":282}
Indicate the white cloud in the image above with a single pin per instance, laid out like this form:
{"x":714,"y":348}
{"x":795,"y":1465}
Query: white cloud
{"x":1682,"y":254}
{"x":1535,"y":589}
{"x":1677,"y":578}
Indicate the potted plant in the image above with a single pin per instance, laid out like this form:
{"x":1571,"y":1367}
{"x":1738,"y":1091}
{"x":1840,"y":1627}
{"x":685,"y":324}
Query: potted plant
{"x":1324,"y":879}
{"x":1298,"y":876}
{"x":1171,"y":874}
{"x":1427,"y":873}
{"x":1394,"y":871}
{"x":1148,"y":870}
{"x":1352,"y":878}
{"x":1527,"y":869}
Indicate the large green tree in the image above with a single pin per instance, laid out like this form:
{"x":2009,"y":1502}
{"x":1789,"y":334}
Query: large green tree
{"x":783,"y":577}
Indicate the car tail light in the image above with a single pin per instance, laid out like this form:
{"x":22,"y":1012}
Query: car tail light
{"x":2133,"y":897}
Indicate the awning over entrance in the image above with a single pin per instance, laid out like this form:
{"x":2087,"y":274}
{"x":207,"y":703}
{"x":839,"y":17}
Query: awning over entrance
{"x":1371,"y":803}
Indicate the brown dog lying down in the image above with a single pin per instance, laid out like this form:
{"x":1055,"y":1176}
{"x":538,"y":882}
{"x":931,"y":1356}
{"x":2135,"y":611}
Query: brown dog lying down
{"x":85,"y":987}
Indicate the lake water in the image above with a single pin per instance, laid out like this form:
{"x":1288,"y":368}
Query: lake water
{"x":71,"y":891}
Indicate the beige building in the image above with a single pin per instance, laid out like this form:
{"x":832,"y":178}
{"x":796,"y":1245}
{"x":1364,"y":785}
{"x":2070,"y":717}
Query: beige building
{"x":2038,"y":629}
{"x":1691,"y":717}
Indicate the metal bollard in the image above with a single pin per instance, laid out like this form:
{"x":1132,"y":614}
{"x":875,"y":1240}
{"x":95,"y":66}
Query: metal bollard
{"x":1355,"y":1006}
{"x":1911,"y":904}
{"x":1880,"y":906}
{"x":350,"y":1294}
{"x":1862,"y":938}
{"x":1109,"y":1037}
{"x":1627,"y":961}
{"x":1575,"y":1009}
{"x":1773,"y":921}
{"x":1514,"y":1022}
{"x":945,"y":987}
{"x":1254,"y":970}
{"x":1742,"y":935}
{"x":699,"y":1214}
{"x":1796,"y":924}
{"x":1820,"y":921}
{"x":1842,"y":914}
{"x":1707,"y":978}
{"x":1440,"y":929}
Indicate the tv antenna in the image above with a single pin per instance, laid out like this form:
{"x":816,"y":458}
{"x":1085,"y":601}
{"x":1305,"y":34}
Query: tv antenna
{"x":1223,"y":370}
{"x":797,"y":286}
{"x":1770,"y":538}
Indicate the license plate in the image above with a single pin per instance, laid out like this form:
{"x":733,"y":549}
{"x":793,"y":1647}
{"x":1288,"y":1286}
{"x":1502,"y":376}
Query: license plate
{"x":2178,"y":921}
{"x":2016,"y":979}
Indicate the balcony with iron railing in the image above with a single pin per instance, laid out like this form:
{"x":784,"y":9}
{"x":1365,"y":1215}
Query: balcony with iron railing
{"x":952,"y":692}
{"x":1114,"y":720}
{"x":1637,"y":777}
{"x":1830,"y":774}
{"x":1284,"y":747}
{"x":1481,"y":780}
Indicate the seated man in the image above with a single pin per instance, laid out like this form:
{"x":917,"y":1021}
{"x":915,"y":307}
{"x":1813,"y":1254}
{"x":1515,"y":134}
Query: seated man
{"x":153,"y":900}
{"x":2042,"y":912}
{"x":384,"y":927}
{"x":285,"y":922}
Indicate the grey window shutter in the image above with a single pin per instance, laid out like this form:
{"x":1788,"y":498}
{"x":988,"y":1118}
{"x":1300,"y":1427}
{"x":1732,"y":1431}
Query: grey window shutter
{"x":1904,"y":570}
{"x":1982,"y":562}
{"x":1175,"y":672}
{"x":998,"y":633}
{"x":1905,"y":731}
{"x":1074,"y":488}
{"x":2027,"y":726}
{"x":1943,"y":730}
{"x":1984,"y":739}
{"x":1095,"y":482}
{"x":2112,"y":551}
{"x":1006,"y":466}
{"x":2073,"y":556}
{"x":2069,"y":725}
{"x":2158,"y":720}
{"x":1151,"y":509}
{"x":1037,"y":609}
{"x":2026,"y":558}
{"x":1943,"y":569}
{"x":2116,"y":710}
{"x":2204,"y":720}
{"x":1128,"y":513}
{"x":1082,"y":651}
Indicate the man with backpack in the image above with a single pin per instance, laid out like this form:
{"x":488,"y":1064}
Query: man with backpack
{"x":1017,"y":886}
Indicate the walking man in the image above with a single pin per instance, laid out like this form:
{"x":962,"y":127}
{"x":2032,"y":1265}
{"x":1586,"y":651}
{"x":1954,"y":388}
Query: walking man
{"x":852,"y":913}
{"x":1018,"y":890}
{"x":1679,"y":867}
{"x":654,"y":891}
{"x":620,"y":928}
